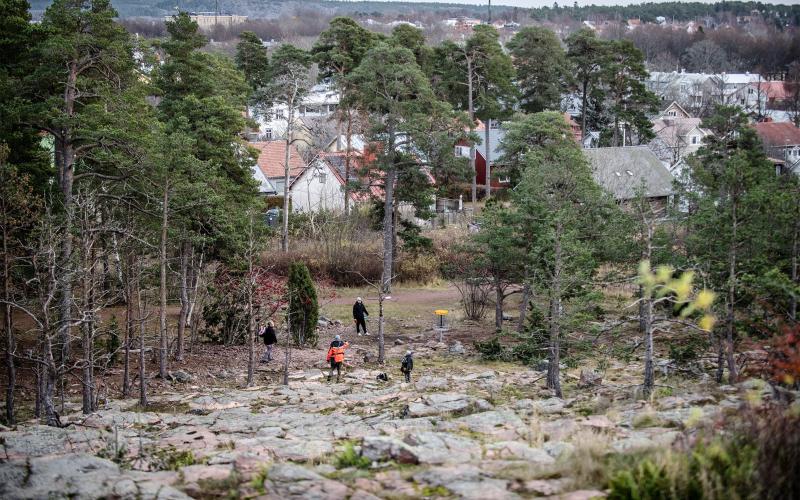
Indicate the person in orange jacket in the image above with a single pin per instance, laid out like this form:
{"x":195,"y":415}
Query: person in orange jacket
{"x":336,"y":356}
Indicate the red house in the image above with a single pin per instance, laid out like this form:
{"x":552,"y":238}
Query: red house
{"x":496,"y":135}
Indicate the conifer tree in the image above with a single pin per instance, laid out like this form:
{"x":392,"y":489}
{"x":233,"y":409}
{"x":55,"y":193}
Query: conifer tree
{"x":303,"y":309}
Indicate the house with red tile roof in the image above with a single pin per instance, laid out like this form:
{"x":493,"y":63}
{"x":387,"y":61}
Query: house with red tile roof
{"x":781,"y":143}
{"x":271,"y":161}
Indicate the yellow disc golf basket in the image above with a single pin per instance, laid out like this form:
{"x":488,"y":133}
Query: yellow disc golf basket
{"x":441,"y":325}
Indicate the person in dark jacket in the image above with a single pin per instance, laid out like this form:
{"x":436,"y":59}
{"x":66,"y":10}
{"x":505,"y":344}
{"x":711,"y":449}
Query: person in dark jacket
{"x":360,"y":316}
{"x":407,"y":365}
{"x":270,"y":339}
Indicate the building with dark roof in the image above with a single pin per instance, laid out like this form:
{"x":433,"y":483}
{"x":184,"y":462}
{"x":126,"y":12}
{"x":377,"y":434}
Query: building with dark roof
{"x":626,"y":172}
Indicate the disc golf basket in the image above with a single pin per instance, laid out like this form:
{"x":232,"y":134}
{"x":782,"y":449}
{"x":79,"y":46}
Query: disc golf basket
{"x":441,"y":324}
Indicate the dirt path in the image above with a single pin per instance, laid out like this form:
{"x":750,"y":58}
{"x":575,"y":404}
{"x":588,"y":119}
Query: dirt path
{"x":409,"y":296}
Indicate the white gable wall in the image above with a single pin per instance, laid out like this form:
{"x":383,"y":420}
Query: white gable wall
{"x":317,"y":189}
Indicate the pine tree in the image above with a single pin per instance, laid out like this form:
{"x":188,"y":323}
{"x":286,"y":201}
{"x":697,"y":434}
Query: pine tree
{"x":542,"y":70}
{"x":303,"y":309}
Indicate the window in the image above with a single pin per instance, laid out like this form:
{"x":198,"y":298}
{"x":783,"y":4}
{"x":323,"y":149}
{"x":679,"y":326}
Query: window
{"x":323,"y":177}
{"x":694,"y":139}
{"x":462,"y":151}
{"x":672,"y":113}
{"x":751,"y":91}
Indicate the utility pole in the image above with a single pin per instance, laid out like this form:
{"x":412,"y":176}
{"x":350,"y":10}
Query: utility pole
{"x":216,"y":13}
{"x":490,"y":11}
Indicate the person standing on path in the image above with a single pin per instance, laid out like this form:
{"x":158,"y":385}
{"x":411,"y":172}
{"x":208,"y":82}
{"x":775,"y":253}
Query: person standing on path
{"x":360,"y":315}
{"x":270,"y":339}
{"x":336,"y":356}
{"x":407,"y":365}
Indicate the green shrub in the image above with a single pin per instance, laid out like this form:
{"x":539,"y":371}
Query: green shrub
{"x":492,"y":349}
{"x":303,"y":307}
{"x":350,"y":458}
{"x":647,"y":481}
{"x":687,"y":351}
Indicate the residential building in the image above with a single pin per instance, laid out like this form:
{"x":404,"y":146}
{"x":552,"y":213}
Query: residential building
{"x":677,"y":134}
{"x":631,"y":171}
{"x":271,"y":161}
{"x":699,"y":92}
{"x":321,"y":101}
{"x":781,"y":142}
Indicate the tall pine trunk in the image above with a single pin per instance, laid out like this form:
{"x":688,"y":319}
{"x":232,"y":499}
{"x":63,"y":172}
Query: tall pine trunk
{"x":553,"y":375}
{"x":8,"y":327}
{"x":381,"y":343}
{"x":129,"y":325}
{"x":472,"y":129}
{"x":730,"y":316}
{"x":523,"y":306}
{"x":488,"y":149}
{"x":498,"y":303}
{"x":388,"y":218}
{"x":142,"y":370}
{"x":186,"y":250}
{"x":162,"y":314}
{"x":286,"y":176}
{"x":65,"y":163}
{"x":348,"y":148}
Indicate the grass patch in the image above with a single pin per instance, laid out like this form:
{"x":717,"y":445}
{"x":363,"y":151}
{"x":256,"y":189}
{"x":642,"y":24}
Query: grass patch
{"x":349,"y":457}
{"x":173,"y":459}
{"x":220,"y":488}
{"x":161,"y":407}
{"x":428,"y":491}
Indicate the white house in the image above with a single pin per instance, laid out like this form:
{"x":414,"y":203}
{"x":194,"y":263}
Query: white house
{"x":677,"y":134}
{"x":321,"y":101}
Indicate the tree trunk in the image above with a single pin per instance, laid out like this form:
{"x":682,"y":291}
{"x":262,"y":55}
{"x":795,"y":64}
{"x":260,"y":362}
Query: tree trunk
{"x":583,"y":109}
{"x":730,"y":316}
{"x":162,"y":315}
{"x":498,"y":303}
{"x":795,"y":251}
{"x":126,"y":370}
{"x":348,"y":147}
{"x":553,"y":375}
{"x":388,"y":212}
{"x":184,"y":312}
{"x":523,"y":306}
{"x":472,"y":129}
{"x":142,"y":372}
{"x":649,"y":375}
{"x":488,"y":149}
{"x":65,"y":164}
{"x":88,"y":327}
{"x":381,"y":344}
{"x":286,"y":172}
{"x":251,"y":347}
{"x":8,"y":326}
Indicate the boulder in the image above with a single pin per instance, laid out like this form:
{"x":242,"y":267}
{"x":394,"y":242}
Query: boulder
{"x":457,"y":348}
{"x":383,"y":448}
{"x":549,"y":406}
{"x":516,"y":450}
{"x":291,"y":481}
{"x":179,"y":376}
{"x":444,"y":403}
{"x":428,"y":382}
{"x":589,"y":378}
{"x":443,"y":448}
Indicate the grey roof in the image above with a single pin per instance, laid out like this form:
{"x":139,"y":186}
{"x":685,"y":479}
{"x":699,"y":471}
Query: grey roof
{"x":623,"y":171}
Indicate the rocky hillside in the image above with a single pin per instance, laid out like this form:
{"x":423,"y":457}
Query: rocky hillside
{"x":461,"y":429}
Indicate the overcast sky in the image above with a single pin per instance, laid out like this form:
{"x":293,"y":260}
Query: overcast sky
{"x":540,"y":3}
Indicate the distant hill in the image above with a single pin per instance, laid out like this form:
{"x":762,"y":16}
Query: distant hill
{"x":273,"y":8}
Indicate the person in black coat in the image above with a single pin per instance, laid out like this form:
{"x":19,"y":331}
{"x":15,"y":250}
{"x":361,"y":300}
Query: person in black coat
{"x":270,"y":339}
{"x":360,"y":316}
{"x":407,"y":365}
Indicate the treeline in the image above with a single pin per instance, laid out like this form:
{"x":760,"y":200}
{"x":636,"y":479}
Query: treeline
{"x":111,"y":201}
{"x":780,"y":15}
{"x":769,"y":51}
{"x":732,"y":228}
